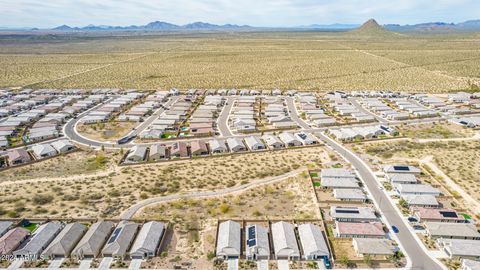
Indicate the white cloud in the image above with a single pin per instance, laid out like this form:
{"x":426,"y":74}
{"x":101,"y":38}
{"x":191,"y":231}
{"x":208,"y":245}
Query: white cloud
{"x":51,"y":13}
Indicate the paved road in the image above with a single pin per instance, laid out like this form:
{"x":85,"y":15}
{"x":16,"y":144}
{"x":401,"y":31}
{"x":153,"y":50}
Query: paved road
{"x":355,"y":103}
{"x":415,"y":250}
{"x":222,"y":120}
{"x":129,"y":213}
{"x":292,"y":110}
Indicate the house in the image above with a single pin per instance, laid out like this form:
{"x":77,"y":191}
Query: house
{"x":5,"y":226}
{"x":121,"y":239}
{"x":62,"y":146}
{"x":43,"y":135}
{"x":470,"y":265}
{"x":148,"y":240}
{"x":66,"y":240}
{"x":402,"y":178}
{"x":284,"y":241}
{"x":350,"y":194}
{"x":43,"y":151}
{"x":419,"y":189}
{"x":402,"y":169}
{"x":179,"y":150}
{"x":337,"y":173}
{"x":359,"y":230}
{"x":289,"y":140}
{"x":137,"y":153}
{"x":198,"y":148}
{"x":374,"y":247}
{"x":18,"y":156}
{"x":12,"y":239}
{"x":254,"y":143}
{"x":217,"y":146}
{"x":427,"y":201}
{"x":273,"y":142}
{"x":93,"y":240}
{"x":306,"y":138}
{"x":157,"y":152}
{"x":313,"y":242}
{"x":236,"y":145}
{"x":257,"y":244}
{"x":339,"y":183}
{"x":228,"y":240}
{"x":353,"y":214}
{"x":452,"y":230}
{"x":438,"y":215}
{"x":459,"y":248}
{"x":39,"y":240}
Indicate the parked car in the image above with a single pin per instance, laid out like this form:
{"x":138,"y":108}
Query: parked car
{"x":395,"y":229}
{"x":412,"y":219}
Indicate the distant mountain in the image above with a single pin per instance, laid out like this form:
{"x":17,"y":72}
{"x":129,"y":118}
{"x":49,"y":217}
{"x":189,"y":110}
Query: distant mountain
{"x":371,"y":28}
{"x":156,"y":25}
{"x":337,"y":26}
{"x":472,"y":25}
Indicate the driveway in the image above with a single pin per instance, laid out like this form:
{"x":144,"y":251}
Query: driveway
{"x":232,"y":264}
{"x":85,"y":264}
{"x":105,"y":263}
{"x":135,"y":264}
{"x":55,"y":263}
{"x":262,"y":265}
{"x":283,"y":265}
{"x":17,"y":263}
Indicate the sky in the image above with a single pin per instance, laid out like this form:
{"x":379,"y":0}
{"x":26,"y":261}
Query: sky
{"x":268,"y":13}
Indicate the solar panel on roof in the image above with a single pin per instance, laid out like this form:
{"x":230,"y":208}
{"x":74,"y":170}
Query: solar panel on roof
{"x":401,"y":168}
{"x":251,"y":242}
{"x":347,"y":211}
{"x":114,"y":235}
{"x":449,"y":214}
{"x":251,"y":232}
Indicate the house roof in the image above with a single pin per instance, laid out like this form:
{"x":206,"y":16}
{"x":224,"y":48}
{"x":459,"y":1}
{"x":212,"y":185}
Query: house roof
{"x":39,"y":239}
{"x":43,"y":149}
{"x":349,"y":193}
{"x":337,"y":173}
{"x":94,"y":238}
{"x":312,"y":240}
{"x":401,"y":169}
{"x":60,"y":144}
{"x":137,"y":151}
{"x":12,"y":239}
{"x":284,"y":240}
{"x":339,"y":212}
{"x":421,"y":200}
{"x":228,"y":240}
{"x":66,"y":240}
{"x":235,"y":143}
{"x":4,"y":226}
{"x":470,"y":264}
{"x":461,"y":247}
{"x":448,"y":229}
{"x":402,"y":177}
{"x":253,"y":142}
{"x":271,"y":140}
{"x":119,"y":241}
{"x":198,"y":146}
{"x":438,"y":213}
{"x":17,"y":154}
{"x":217,"y":145}
{"x":417,"y":188}
{"x":339,"y":182}
{"x":148,"y":238}
{"x":366,"y":228}
{"x":256,"y":237}
{"x":157,"y":149}
{"x":374,"y":246}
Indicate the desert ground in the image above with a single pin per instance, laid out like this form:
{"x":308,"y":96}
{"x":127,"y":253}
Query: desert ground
{"x":287,"y":60}
{"x":57,"y":187}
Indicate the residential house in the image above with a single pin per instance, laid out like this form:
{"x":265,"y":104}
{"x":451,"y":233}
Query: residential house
{"x":92,"y":242}
{"x":137,"y":153}
{"x":350,"y":194}
{"x":289,"y":140}
{"x":353,"y":214}
{"x":459,"y":248}
{"x":217,"y":146}
{"x":314,"y":244}
{"x":254,"y":143}
{"x":452,"y":230}
{"x":179,"y":150}
{"x":148,"y":240}
{"x":236,"y":145}
{"x":18,"y":156}
{"x":39,"y":240}
{"x":157,"y":152}
{"x":257,"y":244}
{"x":66,"y":240}
{"x":438,"y":215}
{"x":228,"y":240}
{"x":359,"y":230}
{"x":63,"y":146}
{"x":121,"y":239}
{"x":41,"y":151}
{"x":374,"y":247}
{"x":198,"y":148}
{"x":273,"y":142}
{"x":284,"y":241}
{"x":12,"y":239}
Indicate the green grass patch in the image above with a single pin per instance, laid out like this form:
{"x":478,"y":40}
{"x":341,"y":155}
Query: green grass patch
{"x":317,"y":184}
{"x":31,"y":227}
{"x":314,"y":174}
{"x":337,"y":166}
{"x":466,"y":216}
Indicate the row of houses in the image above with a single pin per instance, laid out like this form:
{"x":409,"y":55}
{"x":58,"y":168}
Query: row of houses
{"x":413,"y":108}
{"x":242,"y":116}
{"x":345,"y":108}
{"x":308,"y":105}
{"x":56,"y":239}
{"x":20,"y":156}
{"x":289,"y":241}
{"x":248,"y":92}
{"x":116,"y":105}
{"x":138,"y":112}
{"x":380,"y":108}
{"x":276,"y":113}
{"x":202,"y":122}
{"x":450,"y":109}
{"x":348,"y":134}
{"x":184,"y":149}
{"x":360,"y":223}
{"x":471,"y":122}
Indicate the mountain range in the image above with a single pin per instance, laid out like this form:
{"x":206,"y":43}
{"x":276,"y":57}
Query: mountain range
{"x":156,"y":25}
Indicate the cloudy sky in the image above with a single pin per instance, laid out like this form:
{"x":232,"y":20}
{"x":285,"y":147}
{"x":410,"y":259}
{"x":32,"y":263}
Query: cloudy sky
{"x":51,"y":13}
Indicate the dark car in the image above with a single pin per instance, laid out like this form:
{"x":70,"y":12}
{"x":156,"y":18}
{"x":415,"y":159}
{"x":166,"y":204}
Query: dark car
{"x":395,"y":229}
{"x":412,"y":219}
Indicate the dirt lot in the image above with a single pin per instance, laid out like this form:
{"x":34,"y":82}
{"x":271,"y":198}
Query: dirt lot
{"x":435,"y":131}
{"x":47,"y":191}
{"x":111,"y":130}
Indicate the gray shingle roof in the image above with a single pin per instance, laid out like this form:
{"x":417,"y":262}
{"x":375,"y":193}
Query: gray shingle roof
{"x":4,"y":226}
{"x":121,"y":239}
{"x":284,"y":240}
{"x":228,"y":242}
{"x":312,"y":240}
{"x":39,"y":239}
{"x":66,"y":240}
{"x":148,"y":238}
{"x":94,"y":239}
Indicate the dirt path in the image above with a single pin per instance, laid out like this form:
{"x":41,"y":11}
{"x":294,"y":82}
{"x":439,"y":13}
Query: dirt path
{"x":130,"y":212}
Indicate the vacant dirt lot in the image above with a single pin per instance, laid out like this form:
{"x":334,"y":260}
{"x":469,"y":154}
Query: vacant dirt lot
{"x":106,"y":131}
{"x":435,"y":131}
{"x":108,"y":190}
